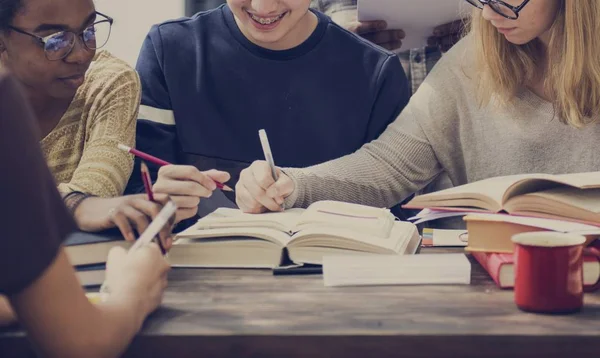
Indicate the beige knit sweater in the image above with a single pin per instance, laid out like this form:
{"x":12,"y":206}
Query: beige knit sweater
{"x":82,"y":150}
{"x":443,"y":131}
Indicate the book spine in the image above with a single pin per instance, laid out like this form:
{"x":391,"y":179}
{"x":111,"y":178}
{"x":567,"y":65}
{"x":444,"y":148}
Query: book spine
{"x":492,"y":264}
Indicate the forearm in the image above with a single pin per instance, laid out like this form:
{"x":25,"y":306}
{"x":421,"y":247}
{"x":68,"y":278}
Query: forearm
{"x":382,"y":173}
{"x":63,"y":323}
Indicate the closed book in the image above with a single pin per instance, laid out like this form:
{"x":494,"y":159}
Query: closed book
{"x":86,"y":249}
{"x":91,"y":275}
{"x":493,"y":232}
{"x":501,"y":269}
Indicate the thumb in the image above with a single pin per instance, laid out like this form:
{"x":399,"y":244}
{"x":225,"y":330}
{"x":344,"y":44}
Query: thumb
{"x":217,"y":175}
{"x":116,"y":258}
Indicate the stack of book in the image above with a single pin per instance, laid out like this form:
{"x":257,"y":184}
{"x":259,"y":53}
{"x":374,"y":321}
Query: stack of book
{"x":495,"y":209}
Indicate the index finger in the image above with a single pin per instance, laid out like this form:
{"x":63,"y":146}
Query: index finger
{"x":365,"y":27}
{"x":187,"y":173}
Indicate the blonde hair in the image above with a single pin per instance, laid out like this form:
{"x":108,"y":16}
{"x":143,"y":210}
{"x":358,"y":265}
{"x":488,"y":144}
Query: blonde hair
{"x":572,"y":79}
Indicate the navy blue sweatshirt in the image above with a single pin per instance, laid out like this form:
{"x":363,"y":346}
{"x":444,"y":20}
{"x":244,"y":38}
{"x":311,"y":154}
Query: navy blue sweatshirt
{"x":207,"y":90}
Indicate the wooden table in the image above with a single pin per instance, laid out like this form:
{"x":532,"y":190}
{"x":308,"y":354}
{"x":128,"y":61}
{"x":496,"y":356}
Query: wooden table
{"x":241,"y":313}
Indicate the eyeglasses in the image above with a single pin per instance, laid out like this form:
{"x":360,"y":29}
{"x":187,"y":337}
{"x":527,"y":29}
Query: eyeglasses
{"x":500,"y":7}
{"x":59,"y":45}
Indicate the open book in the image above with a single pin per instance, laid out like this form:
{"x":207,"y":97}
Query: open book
{"x":573,"y":197}
{"x":230,"y":238}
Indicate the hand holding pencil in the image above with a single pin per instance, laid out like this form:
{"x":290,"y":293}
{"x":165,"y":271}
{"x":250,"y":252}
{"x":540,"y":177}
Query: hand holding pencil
{"x":184,"y":184}
{"x":262,"y":186}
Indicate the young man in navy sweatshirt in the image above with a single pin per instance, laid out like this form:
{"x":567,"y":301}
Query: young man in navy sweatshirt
{"x":210,"y":82}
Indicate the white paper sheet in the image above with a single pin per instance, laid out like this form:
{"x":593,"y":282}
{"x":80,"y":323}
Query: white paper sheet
{"x":417,"y":18}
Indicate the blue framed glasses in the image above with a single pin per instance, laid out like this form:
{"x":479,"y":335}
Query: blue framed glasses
{"x":59,"y":45}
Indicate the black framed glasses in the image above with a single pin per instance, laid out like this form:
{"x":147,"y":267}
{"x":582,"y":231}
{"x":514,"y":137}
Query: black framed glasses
{"x":500,"y":7}
{"x":59,"y":45}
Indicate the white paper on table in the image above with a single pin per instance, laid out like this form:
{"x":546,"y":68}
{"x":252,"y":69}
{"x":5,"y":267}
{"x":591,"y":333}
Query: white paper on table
{"x":417,"y":18}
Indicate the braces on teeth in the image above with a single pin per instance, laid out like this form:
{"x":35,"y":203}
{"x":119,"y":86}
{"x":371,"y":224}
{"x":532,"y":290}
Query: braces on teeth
{"x":264,"y":21}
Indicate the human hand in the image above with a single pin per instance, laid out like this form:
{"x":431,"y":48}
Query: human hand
{"x":126,"y":213}
{"x":257,"y":191}
{"x":374,"y":31}
{"x":139,"y":276}
{"x":446,"y":35}
{"x":186,"y":185}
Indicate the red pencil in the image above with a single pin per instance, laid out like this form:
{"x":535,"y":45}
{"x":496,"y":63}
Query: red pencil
{"x":147,"y":181}
{"x":148,"y":186}
{"x":158,"y":161}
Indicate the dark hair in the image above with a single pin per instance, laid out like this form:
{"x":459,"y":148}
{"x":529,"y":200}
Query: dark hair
{"x":8,"y":10}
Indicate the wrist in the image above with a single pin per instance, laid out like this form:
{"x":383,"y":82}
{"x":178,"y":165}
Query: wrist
{"x":79,"y":204}
{"x":127,"y":304}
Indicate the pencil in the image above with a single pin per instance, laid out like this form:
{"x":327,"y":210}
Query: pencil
{"x":158,"y":161}
{"x":147,"y":180}
{"x":148,"y":186}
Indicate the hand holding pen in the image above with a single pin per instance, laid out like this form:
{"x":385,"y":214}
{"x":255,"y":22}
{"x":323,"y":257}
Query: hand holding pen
{"x":262,"y":186}
{"x":184,"y":184}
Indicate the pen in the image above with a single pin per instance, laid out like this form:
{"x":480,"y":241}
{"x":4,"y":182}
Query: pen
{"x":158,"y":161}
{"x":162,"y":219}
{"x":148,"y":186}
{"x":309,"y":270}
{"x":264,"y":142}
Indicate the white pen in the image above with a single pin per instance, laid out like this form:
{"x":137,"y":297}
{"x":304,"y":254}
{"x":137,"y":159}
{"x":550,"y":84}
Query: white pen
{"x":264,"y":141}
{"x":155,"y":226}
{"x":163,"y":218}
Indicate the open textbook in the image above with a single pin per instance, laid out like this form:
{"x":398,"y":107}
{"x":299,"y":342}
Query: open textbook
{"x":570,"y":197}
{"x":230,"y":238}
{"x":417,"y":18}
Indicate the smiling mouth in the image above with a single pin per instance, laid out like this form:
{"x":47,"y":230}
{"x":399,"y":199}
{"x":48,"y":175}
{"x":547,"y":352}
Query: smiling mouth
{"x":266,"y":20}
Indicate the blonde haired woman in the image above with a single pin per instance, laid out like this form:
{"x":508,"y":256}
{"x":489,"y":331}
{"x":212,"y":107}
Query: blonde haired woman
{"x":519,"y":94}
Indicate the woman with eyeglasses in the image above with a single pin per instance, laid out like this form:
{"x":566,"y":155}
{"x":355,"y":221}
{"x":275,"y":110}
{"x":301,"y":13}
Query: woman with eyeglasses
{"x":519,"y":94}
{"x":86,"y":103}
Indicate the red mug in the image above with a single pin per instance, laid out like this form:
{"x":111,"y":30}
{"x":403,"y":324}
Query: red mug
{"x":548,"y":272}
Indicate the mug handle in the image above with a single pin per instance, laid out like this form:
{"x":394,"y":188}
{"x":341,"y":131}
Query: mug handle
{"x":592,"y":250}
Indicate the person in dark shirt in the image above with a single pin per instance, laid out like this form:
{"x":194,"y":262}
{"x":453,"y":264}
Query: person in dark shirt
{"x":210,"y":82}
{"x":35,"y":273}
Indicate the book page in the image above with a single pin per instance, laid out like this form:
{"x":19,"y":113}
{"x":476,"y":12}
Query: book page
{"x":231,"y":218}
{"x":586,"y":199}
{"x":416,"y":18}
{"x":360,"y":218}
{"x":372,"y":270}
{"x":260,"y":233}
{"x":547,"y":181}
{"x":489,"y":192}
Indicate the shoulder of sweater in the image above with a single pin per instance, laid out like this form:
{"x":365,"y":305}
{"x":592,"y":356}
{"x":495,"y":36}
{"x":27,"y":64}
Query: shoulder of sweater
{"x":108,"y":73}
{"x":459,"y":61}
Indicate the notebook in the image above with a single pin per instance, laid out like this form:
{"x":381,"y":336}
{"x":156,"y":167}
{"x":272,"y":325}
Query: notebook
{"x":422,"y":269}
{"x":573,"y":197}
{"x":230,"y":238}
